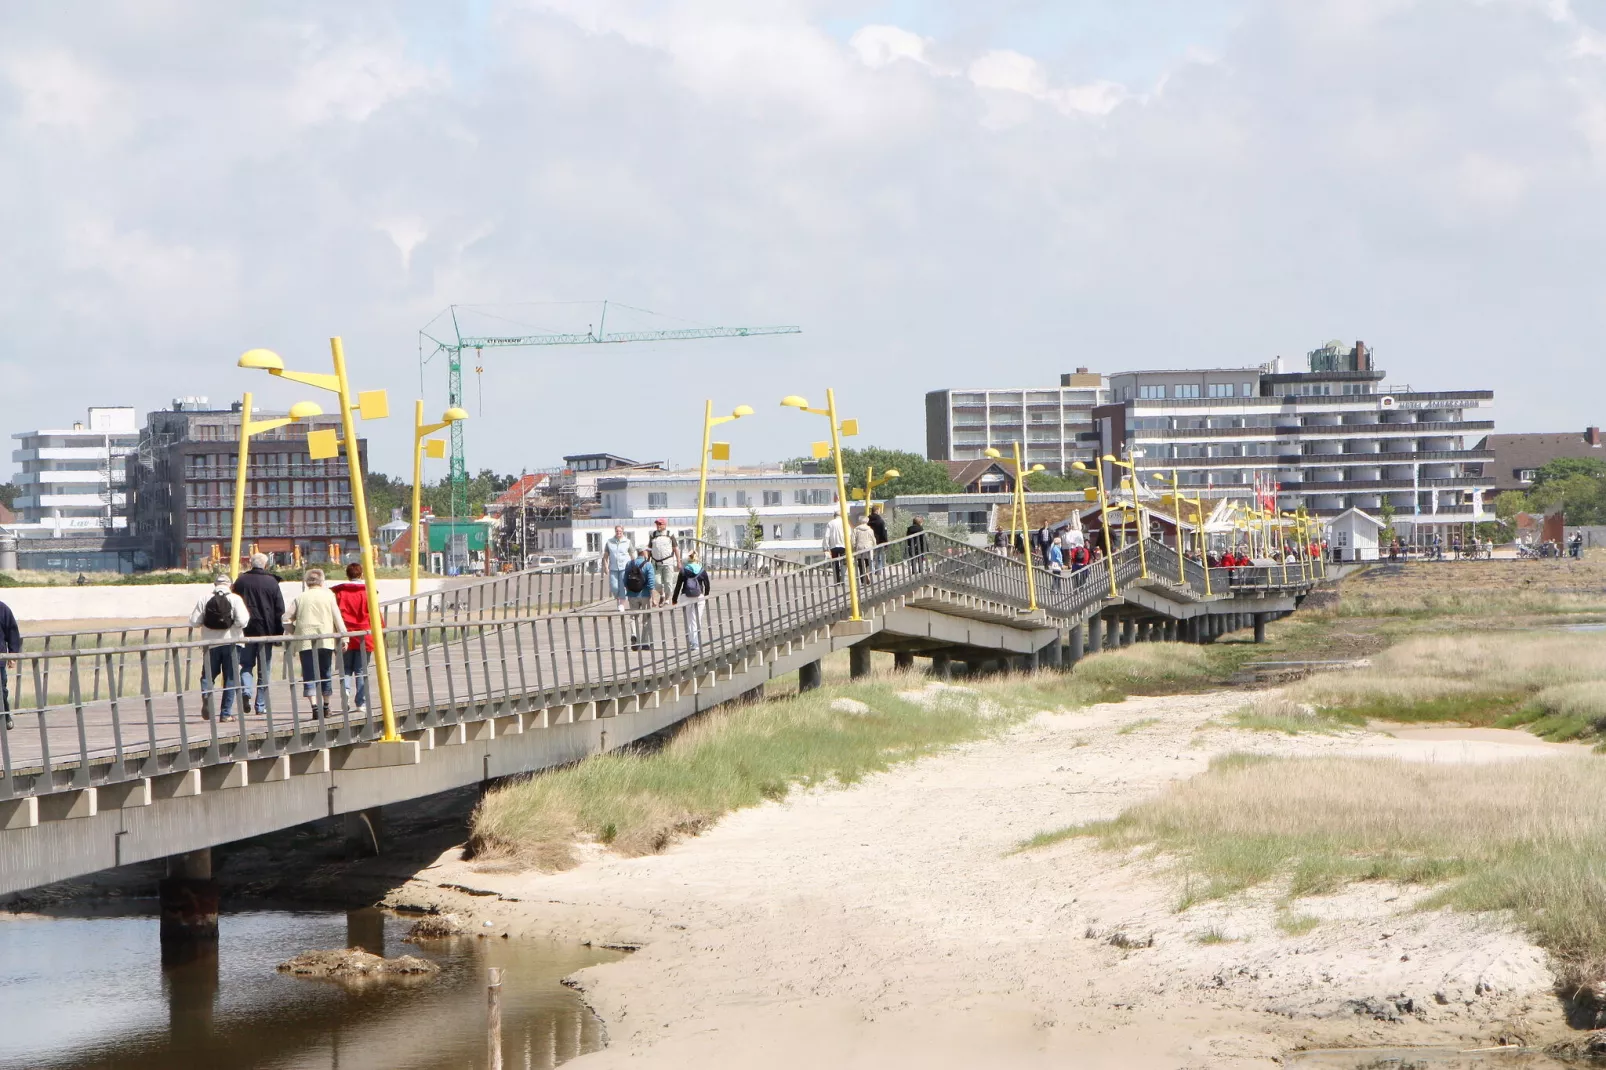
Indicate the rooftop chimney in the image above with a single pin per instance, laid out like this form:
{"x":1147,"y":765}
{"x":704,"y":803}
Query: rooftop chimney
{"x":1592,"y":436}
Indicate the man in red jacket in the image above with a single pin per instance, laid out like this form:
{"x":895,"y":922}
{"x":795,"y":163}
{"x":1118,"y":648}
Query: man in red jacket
{"x":352,"y":597}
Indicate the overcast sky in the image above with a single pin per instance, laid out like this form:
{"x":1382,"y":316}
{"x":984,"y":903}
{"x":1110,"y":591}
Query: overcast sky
{"x":940,"y":194}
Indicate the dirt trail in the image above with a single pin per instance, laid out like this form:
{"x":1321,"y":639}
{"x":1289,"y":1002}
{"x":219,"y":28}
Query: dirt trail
{"x":889,"y":924}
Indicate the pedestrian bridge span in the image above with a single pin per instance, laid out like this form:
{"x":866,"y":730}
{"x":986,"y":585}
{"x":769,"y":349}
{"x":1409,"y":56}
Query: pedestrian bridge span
{"x":110,"y":761}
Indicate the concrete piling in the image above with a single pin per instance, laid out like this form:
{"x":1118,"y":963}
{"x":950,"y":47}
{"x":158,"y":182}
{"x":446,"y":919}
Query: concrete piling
{"x":808,"y":677}
{"x":903,"y":662}
{"x":1095,"y":633}
{"x":1260,"y":627}
{"x":1129,"y":629}
{"x":187,"y":900}
{"x":1076,"y":649}
{"x":858,"y":661}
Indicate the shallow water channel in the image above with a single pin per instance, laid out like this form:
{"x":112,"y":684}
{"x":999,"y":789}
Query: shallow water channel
{"x":89,"y":992}
{"x":1423,"y":1059}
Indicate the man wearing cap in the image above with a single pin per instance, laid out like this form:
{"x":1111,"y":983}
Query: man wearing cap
{"x":665,"y":553}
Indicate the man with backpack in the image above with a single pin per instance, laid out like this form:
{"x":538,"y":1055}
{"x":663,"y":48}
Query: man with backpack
{"x":10,"y":643}
{"x":259,"y":590}
{"x":694,"y":585}
{"x":914,"y":543}
{"x":665,"y":552}
{"x":639,"y":581}
{"x":878,"y":526}
{"x":222,"y":617}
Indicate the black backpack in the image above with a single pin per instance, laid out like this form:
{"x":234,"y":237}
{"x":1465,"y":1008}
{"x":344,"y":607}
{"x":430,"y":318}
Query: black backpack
{"x":691,"y":583}
{"x":219,"y":613}
{"x":635,"y":577}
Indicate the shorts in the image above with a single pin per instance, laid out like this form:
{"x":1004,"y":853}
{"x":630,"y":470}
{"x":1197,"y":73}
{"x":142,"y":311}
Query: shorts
{"x":666,"y":574}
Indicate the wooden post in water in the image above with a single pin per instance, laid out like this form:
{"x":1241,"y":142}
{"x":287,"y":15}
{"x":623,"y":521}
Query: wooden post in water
{"x":493,"y":1020}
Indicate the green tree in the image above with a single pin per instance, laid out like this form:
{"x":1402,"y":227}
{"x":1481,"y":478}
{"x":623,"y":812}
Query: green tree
{"x":8,"y":494}
{"x":1049,"y":482}
{"x":752,"y":531}
{"x":916,"y":475}
{"x":1386,"y":514}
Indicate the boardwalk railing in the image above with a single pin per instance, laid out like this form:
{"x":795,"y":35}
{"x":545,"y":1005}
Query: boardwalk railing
{"x":95,"y":717}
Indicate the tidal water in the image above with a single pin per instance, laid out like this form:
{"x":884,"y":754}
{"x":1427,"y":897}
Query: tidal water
{"x":90,"y":992}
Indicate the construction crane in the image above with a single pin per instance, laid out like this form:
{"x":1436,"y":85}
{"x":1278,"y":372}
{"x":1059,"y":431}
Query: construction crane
{"x":454,"y":346}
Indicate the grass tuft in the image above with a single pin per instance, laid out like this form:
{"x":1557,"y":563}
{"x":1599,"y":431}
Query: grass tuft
{"x":1274,"y":713}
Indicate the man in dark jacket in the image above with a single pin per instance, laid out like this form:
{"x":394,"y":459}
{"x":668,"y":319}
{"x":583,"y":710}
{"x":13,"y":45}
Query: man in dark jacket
{"x":259,"y":590}
{"x":878,"y":524}
{"x":914,"y":546}
{"x":10,"y":643}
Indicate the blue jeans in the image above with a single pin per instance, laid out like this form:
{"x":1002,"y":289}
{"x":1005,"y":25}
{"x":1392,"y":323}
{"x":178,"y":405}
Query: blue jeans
{"x":317,"y":671}
{"x":616,"y":583}
{"x":256,"y":669}
{"x":221,"y":661}
{"x":355,"y":663}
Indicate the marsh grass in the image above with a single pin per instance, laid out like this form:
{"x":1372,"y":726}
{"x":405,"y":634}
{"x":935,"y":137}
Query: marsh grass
{"x":1484,"y":678}
{"x":1149,"y":668}
{"x":1518,"y":836}
{"x":1137,"y":726}
{"x":1275,"y":713}
{"x":638,"y":802}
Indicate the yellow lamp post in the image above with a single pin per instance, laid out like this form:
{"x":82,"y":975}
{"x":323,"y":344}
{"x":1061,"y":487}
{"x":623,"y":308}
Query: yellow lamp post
{"x":839,"y":430}
{"x":866,"y":493}
{"x":1131,"y":480}
{"x":1176,"y":504}
{"x":1104,"y":522}
{"x":433,"y":447}
{"x":325,"y":444}
{"x":1020,"y":520}
{"x":719,"y":451}
{"x":248,"y":427}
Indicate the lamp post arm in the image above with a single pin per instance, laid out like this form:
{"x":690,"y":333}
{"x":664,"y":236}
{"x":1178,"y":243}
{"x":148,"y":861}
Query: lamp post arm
{"x":320,"y":380}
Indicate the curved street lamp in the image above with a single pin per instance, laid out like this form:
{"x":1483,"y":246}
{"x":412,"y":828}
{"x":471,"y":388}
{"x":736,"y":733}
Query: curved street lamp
{"x":433,"y":447}
{"x":718,"y":451}
{"x":833,"y":448}
{"x":301,"y":410}
{"x":1018,"y":507}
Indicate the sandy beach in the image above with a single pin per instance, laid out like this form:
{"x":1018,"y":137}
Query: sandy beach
{"x":892,"y":923}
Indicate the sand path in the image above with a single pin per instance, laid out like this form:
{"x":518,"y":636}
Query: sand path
{"x":889,"y":924}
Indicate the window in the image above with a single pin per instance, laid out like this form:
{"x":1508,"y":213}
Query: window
{"x":710,"y":500}
{"x":1186,"y":390}
{"x":658,"y":499}
{"x":1527,"y":475}
{"x":777,"y":534}
{"x":1249,"y":390}
{"x":819,"y":531}
{"x":741,"y":498}
{"x":1153,"y":392}
{"x":593,"y":541}
{"x":772,"y":497}
{"x":1221,"y":390}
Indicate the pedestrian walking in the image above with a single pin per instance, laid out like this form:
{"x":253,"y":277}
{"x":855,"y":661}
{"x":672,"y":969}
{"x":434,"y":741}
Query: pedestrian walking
{"x":694,"y":585}
{"x":259,"y":590}
{"x":1056,"y":561}
{"x":222,"y":617}
{"x":1043,"y":540}
{"x":640,"y":581}
{"x":616,"y":557}
{"x":665,"y":551}
{"x":914,"y":543}
{"x":352,"y":598}
{"x":878,"y":527}
{"x":318,"y":628}
{"x":10,"y":643}
{"x":835,"y":545}
{"x":864,"y":545}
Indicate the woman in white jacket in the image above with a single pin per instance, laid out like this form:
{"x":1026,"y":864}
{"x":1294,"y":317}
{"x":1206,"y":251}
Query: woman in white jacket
{"x":316,"y":613}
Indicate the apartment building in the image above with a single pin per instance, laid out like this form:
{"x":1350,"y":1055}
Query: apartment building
{"x":792,"y":508}
{"x":1051,"y":423}
{"x":72,"y":509}
{"x":181,"y":487}
{"x":1332,"y":437}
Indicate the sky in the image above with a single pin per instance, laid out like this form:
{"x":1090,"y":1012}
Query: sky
{"x":940,"y":194}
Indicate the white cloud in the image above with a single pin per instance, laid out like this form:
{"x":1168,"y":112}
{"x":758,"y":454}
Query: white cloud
{"x":1013,"y":72}
{"x":878,"y":46}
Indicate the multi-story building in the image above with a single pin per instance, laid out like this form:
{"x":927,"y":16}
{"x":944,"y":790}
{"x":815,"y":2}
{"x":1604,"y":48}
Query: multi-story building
{"x":72,"y":505}
{"x":1515,"y":460}
{"x":1331,"y":438}
{"x":182,"y":488}
{"x":793,"y":509}
{"x":1051,"y":423}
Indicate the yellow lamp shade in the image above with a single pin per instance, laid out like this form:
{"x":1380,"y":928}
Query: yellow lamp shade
{"x":850,"y":428}
{"x":1079,"y":466}
{"x":373,"y":404}
{"x":323,"y":444}
{"x":993,"y":453}
{"x":265,"y":359}
{"x":1037,"y":468}
{"x":303,"y":409}
{"x":451,"y":416}
{"x":891,"y":473}
{"x":720,"y":451}
{"x":743,"y":410}
{"x":795,"y":402}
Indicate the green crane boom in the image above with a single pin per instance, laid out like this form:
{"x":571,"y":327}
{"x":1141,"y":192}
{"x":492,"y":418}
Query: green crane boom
{"x":454,"y":346}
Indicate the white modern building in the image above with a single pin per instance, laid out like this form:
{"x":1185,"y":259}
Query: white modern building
{"x":1332,"y":438}
{"x":73,"y":481}
{"x":792,"y":508}
{"x":1051,"y":423}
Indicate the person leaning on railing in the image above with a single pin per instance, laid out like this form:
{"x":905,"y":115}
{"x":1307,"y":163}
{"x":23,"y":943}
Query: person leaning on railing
{"x":914,"y":544}
{"x":10,"y":643}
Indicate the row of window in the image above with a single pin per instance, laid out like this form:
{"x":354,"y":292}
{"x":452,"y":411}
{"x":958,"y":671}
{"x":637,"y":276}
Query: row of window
{"x":1186,"y":391}
{"x":270,"y":521}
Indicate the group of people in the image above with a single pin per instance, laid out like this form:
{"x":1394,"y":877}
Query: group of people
{"x":654,"y":575}
{"x":240,"y":621}
{"x":869,"y":539}
{"x":1433,"y":549}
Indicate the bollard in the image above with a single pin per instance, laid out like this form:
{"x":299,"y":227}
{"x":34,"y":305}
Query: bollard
{"x":493,"y":1019}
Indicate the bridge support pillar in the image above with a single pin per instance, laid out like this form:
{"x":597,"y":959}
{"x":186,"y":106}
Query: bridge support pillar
{"x":1196,"y":629}
{"x":808,"y":676}
{"x":1051,"y":655}
{"x":1260,"y":627}
{"x":903,"y":662}
{"x":858,"y":661}
{"x":1075,"y":648}
{"x":1095,"y":633}
{"x":1129,"y":628}
{"x":187,"y":900}
{"x":941,"y":667}
{"x":365,"y":831}
{"x":1170,"y":630}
